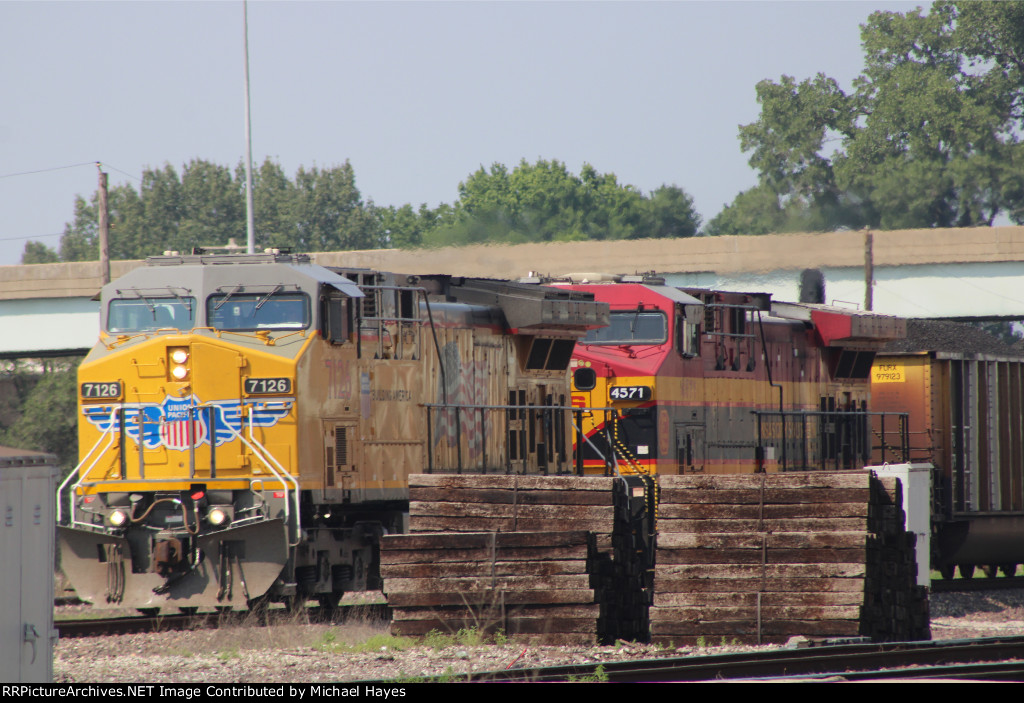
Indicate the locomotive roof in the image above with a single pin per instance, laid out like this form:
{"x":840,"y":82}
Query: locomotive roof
{"x":207,"y":272}
{"x":842,"y":326}
{"x":674,"y":294}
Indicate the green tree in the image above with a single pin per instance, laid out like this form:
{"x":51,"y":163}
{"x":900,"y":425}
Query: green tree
{"x":754,"y":211}
{"x":929,"y":137}
{"x":80,"y":241}
{"x":672,"y":213}
{"x":544,"y":201}
{"x":273,"y":195}
{"x":321,"y":209}
{"x":158,"y":227}
{"x":43,"y":411}
{"x":212,"y":206}
{"x":612,"y":210}
{"x":205,"y":206}
{"x":328,"y":213}
{"x":403,"y":227}
{"x":38,"y":253}
{"x":1005,"y":331}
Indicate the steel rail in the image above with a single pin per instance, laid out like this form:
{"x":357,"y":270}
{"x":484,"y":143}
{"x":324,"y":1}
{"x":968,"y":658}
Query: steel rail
{"x":135,"y":624}
{"x":979,"y":583}
{"x":829,"y":660}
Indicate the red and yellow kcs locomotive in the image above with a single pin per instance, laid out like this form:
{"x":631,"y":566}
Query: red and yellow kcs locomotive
{"x":700,"y":381}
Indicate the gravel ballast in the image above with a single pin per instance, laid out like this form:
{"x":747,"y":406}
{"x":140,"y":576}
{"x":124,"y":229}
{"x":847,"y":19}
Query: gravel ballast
{"x":296,"y":651}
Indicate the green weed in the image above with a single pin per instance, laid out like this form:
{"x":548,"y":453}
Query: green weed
{"x":328,"y":643}
{"x":226,"y":655}
{"x":599,"y":676}
{"x":449,"y":676}
{"x":466,"y":637}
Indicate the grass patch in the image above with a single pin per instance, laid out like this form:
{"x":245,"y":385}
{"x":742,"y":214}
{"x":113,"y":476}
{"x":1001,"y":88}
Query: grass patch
{"x":228,"y":654}
{"x":466,"y":637}
{"x":449,"y":676}
{"x":375,"y":643}
{"x":599,"y":676}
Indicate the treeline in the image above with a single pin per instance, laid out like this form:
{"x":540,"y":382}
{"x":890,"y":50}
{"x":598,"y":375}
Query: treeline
{"x":930,"y":135}
{"x":38,"y":407}
{"x":321,"y":209}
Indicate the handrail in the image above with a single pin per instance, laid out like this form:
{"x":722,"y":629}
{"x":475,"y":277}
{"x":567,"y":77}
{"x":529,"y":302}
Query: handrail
{"x":60,"y":489}
{"x":298,"y":518}
{"x":258,"y":450}
{"x":256,"y":453}
{"x":579,"y":433}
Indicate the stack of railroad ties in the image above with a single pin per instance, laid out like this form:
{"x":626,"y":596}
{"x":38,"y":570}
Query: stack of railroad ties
{"x":741,"y":559}
{"x":760,"y":558}
{"x":551,"y":558}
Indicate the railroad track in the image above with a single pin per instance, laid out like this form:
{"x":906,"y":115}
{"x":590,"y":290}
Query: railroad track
{"x":997,"y":659}
{"x":95,"y":627}
{"x":977,"y":584}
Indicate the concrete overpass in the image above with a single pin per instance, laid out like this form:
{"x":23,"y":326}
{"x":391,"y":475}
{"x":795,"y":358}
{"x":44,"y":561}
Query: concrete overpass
{"x":973,"y":273}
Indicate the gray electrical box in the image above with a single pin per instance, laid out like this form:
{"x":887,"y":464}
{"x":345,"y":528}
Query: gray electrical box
{"x":916,"y":482}
{"x":28,"y":484}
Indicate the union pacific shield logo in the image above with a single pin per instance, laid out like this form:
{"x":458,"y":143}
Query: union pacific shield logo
{"x":167,"y":423}
{"x":174,"y":427}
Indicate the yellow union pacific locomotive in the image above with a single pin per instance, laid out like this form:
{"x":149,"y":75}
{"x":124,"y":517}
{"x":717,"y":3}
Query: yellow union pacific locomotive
{"x":248,"y":422}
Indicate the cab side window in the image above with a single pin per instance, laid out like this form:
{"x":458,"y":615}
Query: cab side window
{"x":335,"y":318}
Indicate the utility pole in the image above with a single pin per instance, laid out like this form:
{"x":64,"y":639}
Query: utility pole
{"x":104,"y":227}
{"x":869,"y":270}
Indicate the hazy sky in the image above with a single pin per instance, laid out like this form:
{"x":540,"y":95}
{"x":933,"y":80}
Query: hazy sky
{"x":416,"y":95}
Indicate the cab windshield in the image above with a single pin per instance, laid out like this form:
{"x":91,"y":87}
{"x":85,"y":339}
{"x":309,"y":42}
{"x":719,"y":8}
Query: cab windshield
{"x":631,"y":327}
{"x":258,"y":311}
{"x":148,"y":313}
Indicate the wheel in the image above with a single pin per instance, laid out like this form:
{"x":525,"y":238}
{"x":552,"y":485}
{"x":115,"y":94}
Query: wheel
{"x":329,"y":601}
{"x":966,"y":571}
{"x":259,"y":606}
{"x":149,"y":612}
{"x":1008,"y":569}
{"x":296,"y":604}
{"x":948,"y":571}
{"x":990,"y":571}
{"x":190,"y":610}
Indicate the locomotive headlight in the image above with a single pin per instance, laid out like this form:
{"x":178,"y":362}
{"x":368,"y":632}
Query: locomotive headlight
{"x":218,"y":516}
{"x":179,"y":358}
{"x":117,"y":518}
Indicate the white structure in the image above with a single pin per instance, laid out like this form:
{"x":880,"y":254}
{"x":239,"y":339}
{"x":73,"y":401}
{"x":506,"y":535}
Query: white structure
{"x":916,"y":485}
{"x":944,"y":273}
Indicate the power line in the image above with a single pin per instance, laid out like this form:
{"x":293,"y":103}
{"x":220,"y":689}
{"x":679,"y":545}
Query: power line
{"x":115,"y":168}
{"x":101,"y":164}
{"x":46,"y":170}
{"x":31,"y":236}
